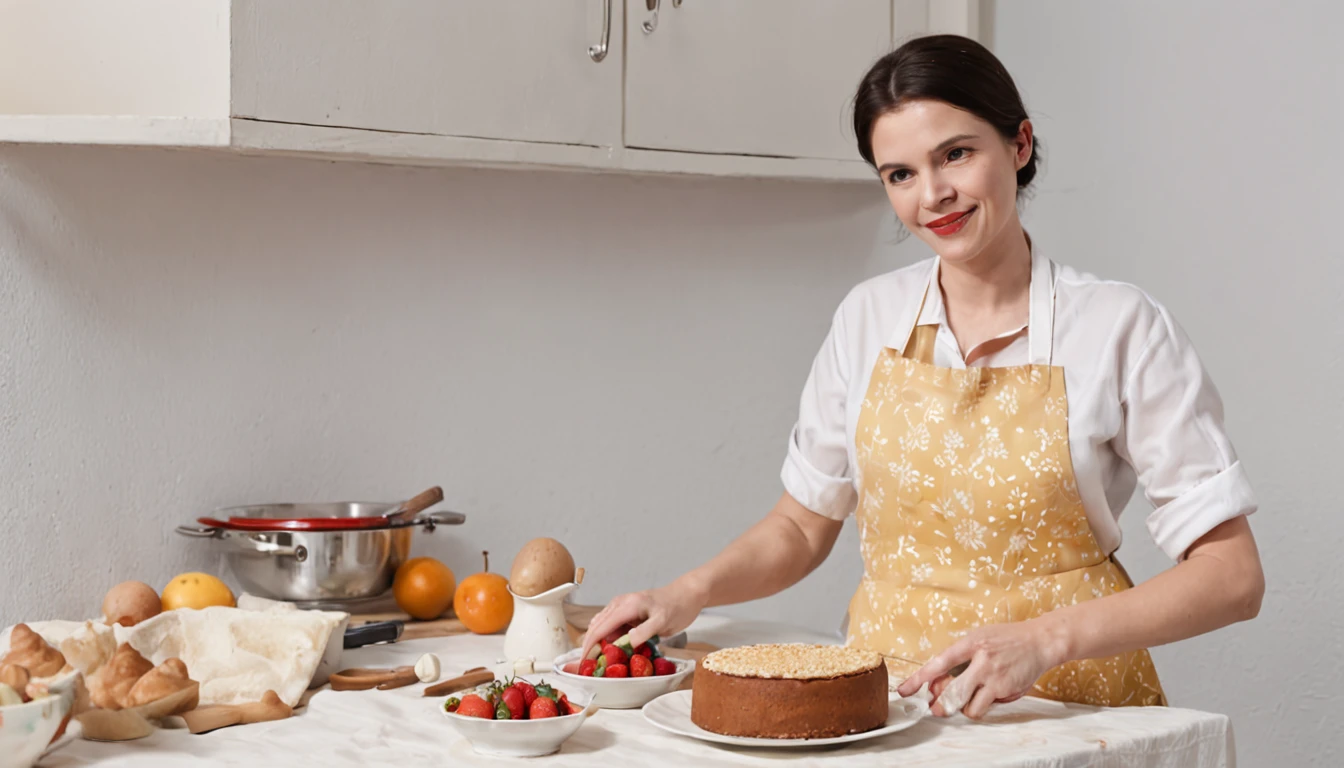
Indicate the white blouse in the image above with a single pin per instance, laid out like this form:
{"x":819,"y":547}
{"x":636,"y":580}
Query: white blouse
{"x":1142,"y":409}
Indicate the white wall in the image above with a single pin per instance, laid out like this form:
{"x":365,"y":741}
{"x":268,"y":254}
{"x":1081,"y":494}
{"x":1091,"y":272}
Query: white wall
{"x":1194,"y":148}
{"x":608,"y":360}
{"x":616,"y":361}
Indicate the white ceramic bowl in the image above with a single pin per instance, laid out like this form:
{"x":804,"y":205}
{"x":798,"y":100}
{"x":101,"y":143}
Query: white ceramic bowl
{"x":523,"y":738}
{"x":622,"y":692}
{"x":26,"y":730}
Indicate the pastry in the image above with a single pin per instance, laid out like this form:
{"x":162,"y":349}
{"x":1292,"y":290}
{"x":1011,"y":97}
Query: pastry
{"x":88,"y":648}
{"x":110,"y":685}
{"x":14,"y":676}
{"x":28,"y":650}
{"x":164,"y":680}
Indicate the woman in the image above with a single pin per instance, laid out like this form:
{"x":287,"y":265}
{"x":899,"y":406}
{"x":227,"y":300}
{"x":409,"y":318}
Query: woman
{"x":986,"y":415}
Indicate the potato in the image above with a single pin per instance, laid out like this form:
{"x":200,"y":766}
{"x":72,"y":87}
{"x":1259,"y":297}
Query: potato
{"x":541,"y":565}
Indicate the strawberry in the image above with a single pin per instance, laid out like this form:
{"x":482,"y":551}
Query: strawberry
{"x":588,"y":667}
{"x":614,"y":654}
{"x":640,"y":666}
{"x":474,"y":706}
{"x":613,"y":637}
{"x":644,"y":650}
{"x":574,"y":709}
{"x":618,"y":670}
{"x":572,"y":668}
{"x":543,"y":707}
{"x":663,"y":666}
{"x":514,"y":699}
{"x":528,"y":691}
{"x":452,"y":704}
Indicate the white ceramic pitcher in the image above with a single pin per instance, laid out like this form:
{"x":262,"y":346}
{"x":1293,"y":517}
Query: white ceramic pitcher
{"x":538,"y":629}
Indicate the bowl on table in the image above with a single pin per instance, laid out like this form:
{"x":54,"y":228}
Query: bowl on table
{"x":26,"y":730}
{"x":522,"y":738}
{"x":623,"y":692}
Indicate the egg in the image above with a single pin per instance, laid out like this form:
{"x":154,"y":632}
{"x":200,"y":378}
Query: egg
{"x":541,"y":565}
{"x":130,"y":603}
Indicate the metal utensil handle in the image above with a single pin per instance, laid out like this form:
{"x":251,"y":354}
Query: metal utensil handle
{"x":435,"y":519}
{"x":651,"y":23}
{"x":598,"y":52}
{"x":246,"y":541}
{"x":368,"y":634}
{"x":199,"y":531}
{"x":417,"y":504}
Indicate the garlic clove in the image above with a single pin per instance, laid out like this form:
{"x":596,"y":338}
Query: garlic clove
{"x":427,"y":668}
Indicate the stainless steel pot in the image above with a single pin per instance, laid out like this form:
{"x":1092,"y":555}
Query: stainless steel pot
{"x":308,"y":566}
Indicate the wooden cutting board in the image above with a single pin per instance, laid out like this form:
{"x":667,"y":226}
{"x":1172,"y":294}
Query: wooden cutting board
{"x":577,"y":616}
{"x":448,"y":625}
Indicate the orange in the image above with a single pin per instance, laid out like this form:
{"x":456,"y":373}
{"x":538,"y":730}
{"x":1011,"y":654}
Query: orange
{"x":483,"y":603}
{"x":195,"y":590}
{"x":423,"y":588}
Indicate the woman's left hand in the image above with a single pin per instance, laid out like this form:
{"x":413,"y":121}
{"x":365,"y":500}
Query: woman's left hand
{"x":1004,"y":661}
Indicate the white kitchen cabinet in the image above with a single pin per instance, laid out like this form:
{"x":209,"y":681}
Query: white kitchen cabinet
{"x":756,"y":88}
{"x":749,"y":77}
{"x":517,"y":70}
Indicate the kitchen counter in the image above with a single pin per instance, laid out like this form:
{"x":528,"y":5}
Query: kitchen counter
{"x":362,"y":728}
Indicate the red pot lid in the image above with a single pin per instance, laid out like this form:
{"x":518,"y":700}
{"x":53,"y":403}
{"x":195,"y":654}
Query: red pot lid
{"x":311,"y":524}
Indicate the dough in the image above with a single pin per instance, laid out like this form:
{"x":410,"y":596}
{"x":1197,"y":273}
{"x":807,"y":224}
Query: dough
{"x":238,"y":655}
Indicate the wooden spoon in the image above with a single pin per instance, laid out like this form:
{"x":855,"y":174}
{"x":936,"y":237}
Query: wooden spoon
{"x":467,"y":680}
{"x":137,"y":722}
{"x":219,"y":716}
{"x":415,"y":505}
{"x":114,"y":725}
{"x":362,"y":679}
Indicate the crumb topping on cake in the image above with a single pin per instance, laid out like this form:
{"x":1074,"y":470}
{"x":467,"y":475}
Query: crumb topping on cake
{"x":792,"y":661}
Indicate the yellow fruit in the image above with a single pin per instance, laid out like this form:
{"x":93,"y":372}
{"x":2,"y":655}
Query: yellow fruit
{"x":196,"y":590}
{"x":423,"y":587}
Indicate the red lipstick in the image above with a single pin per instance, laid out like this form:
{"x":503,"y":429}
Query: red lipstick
{"x":951,"y":223}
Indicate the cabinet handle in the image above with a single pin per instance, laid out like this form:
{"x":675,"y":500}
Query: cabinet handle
{"x":598,"y":52}
{"x":651,"y":23}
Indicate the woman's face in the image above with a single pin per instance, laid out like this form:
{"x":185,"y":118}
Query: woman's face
{"x":951,"y":178}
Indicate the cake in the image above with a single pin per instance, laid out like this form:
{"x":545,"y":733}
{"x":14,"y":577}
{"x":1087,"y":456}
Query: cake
{"x":790,"y":691}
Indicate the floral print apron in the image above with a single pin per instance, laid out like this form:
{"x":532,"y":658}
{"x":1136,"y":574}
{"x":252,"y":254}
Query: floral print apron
{"x":969,"y":514}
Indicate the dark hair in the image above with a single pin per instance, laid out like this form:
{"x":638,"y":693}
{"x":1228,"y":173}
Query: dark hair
{"x":949,"y":68}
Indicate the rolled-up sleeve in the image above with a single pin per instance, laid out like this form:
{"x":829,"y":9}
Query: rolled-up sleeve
{"x":816,"y":471}
{"x":1175,"y":439}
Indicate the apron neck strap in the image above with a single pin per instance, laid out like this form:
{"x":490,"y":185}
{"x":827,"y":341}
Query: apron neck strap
{"x":1040,"y":313}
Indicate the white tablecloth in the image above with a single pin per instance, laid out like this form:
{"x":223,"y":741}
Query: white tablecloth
{"x":366,"y":728}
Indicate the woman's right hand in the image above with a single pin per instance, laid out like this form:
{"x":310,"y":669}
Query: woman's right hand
{"x":664,"y":611}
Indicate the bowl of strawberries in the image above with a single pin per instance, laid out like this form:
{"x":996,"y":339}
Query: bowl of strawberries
{"x":518,"y":717}
{"x":622,"y":676}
